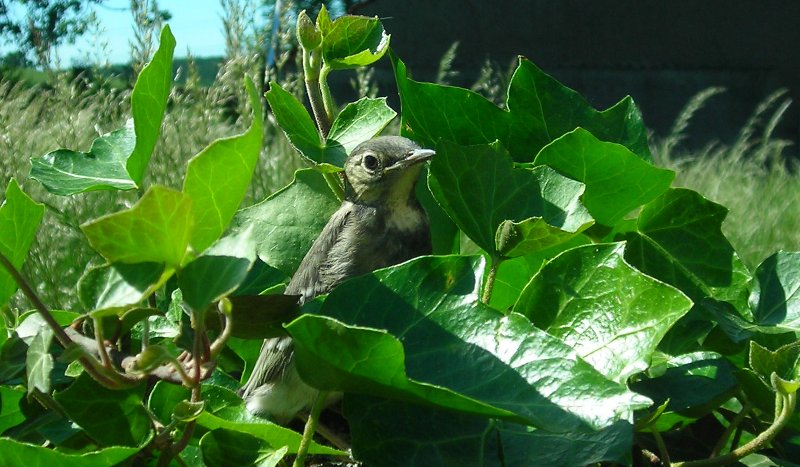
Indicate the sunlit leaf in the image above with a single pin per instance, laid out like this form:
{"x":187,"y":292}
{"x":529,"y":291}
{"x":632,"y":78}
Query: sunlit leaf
{"x":156,"y":229}
{"x":283,"y":236}
{"x":610,"y":313}
{"x":66,"y":172}
{"x":218,"y":177}
{"x":479,"y":189}
{"x":148,"y":104}
{"x":617,"y":180}
{"x":19,"y":220}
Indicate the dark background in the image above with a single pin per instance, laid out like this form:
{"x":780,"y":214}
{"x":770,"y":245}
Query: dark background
{"x":659,"y":52}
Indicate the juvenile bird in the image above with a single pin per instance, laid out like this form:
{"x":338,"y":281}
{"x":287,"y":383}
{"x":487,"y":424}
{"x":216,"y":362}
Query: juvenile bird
{"x":379,"y":224}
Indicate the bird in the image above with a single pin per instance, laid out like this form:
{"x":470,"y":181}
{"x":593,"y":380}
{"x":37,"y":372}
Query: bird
{"x":380,"y":223}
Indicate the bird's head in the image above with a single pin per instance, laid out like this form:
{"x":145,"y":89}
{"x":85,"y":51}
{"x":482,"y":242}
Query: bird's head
{"x":384,"y":170}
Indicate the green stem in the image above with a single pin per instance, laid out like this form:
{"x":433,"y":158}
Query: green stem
{"x":311,"y":74}
{"x":662,"y":448}
{"x":761,"y":441}
{"x":487,"y":288}
{"x":310,"y":428}
{"x":101,"y":343}
{"x":731,"y":428}
{"x":327,"y":99}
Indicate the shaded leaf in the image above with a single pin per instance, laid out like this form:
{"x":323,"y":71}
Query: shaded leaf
{"x":390,"y":432}
{"x":19,"y":453}
{"x":373,"y":364}
{"x":65,"y":172}
{"x":148,"y":104}
{"x":10,"y":412}
{"x":19,"y":220}
{"x":352,"y":41}
{"x":776,"y":297}
{"x":479,"y":189}
{"x":156,"y":229}
{"x":617,"y":180}
{"x":784,"y":361}
{"x":260,"y":278}
{"x":222,"y":447}
{"x":539,"y":109}
{"x":218,"y":177}
{"x":238,"y":419}
{"x":453,"y":341}
{"x":112,"y":288}
{"x":694,"y":384}
{"x":610,"y":313}
{"x":262,"y":316}
{"x":110,"y":416}
{"x":679,"y":241}
{"x":283,"y":236}
{"x":219,"y":271}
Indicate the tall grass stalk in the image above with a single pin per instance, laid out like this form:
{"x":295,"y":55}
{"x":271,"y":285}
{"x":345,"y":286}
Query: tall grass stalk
{"x":752,"y":177}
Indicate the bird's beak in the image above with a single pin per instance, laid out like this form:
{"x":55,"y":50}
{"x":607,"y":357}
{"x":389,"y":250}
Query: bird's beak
{"x":416,"y":156}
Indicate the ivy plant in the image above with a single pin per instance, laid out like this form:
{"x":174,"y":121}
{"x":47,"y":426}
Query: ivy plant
{"x":577,"y":310}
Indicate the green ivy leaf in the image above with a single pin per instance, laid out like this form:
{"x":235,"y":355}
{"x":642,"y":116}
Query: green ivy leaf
{"x":283,"y":236}
{"x":186,"y":411}
{"x":513,"y":274}
{"x":219,"y":271}
{"x":112,"y":417}
{"x":617,"y":180}
{"x":65,"y":172}
{"x":114,"y":288}
{"x":296,"y":123}
{"x":678,"y":240}
{"x":783,"y":362}
{"x":10,"y":411}
{"x":19,"y":220}
{"x":156,"y":229}
{"x":532,"y":235}
{"x":238,"y":419}
{"x":14,"y":452}
{"x":539,"y":109}
{"x":610,"y":313}
{"x":217,"y":178}
{"x":694,"y":384}
{"x":116,"y":160}
{"x":353,"y":41}
{"x":479,"y":189}
{"x":373,"y":364}
{"x":229,"y":447}
{"x":262,"y":316}
{"x":775,"y":299}
{"x":411,"y":435}
{"x":148,"y":104}
{"x":453,"y":341}
{"x":359,"y":121}
{"x":39,"y":362}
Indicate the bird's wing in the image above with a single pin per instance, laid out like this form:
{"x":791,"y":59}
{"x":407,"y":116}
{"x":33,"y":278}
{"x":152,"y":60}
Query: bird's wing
{"x":310,"y":280}
{"x":273,"y":360}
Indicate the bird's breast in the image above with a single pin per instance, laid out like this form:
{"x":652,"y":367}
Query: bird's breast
{"x":405,"y":218}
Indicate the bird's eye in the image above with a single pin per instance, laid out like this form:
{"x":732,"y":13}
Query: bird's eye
{"x":370,"y":162}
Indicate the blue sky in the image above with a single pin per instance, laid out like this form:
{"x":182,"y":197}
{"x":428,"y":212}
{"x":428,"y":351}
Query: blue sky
{"x":196,"y":25}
